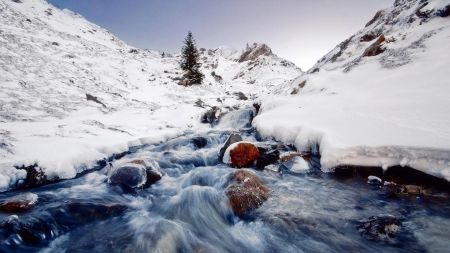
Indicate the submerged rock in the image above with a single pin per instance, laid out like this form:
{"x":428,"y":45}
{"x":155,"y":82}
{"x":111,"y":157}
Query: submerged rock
{"x":233,"y":138}
{"x":132,"y":175}
{"x":378,"y":228}
{"x":246,"y":192}
{"x":199,"y":142}
{"x":19,"y":203}
{"x":243,"y":155}
{"x":267,"y":158}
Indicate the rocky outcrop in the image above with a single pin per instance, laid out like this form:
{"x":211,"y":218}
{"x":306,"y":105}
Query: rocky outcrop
{"x":254,"y":51}
{"x":246,"y":192}
{"x":244,"y":155}
{"x":233,"y":138}
{"x":376,"y":48}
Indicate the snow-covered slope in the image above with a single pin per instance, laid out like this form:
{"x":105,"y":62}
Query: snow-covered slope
{"x":380,"y":98}
{"x":52,"y":61}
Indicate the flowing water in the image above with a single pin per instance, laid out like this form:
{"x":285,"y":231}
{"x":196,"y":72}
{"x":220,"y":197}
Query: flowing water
{"x":187,"y":210}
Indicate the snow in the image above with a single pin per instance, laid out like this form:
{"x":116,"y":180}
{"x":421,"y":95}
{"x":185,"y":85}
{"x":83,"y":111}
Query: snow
{"x":299,"y":165}
{"x":51,"y":58}
{"x":386,"y":110}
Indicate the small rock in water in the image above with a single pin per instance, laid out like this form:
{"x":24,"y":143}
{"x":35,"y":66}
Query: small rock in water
{"x":243,"y":155}
{"x":199,"y":142}
{"x":373,"y":180}
{"x":153,"y":175}
{"x":246,"y":192}
{"x":19,"y":203}
{"x":267,"y":158}
{"x":233,"y":138}
{"x":379,"y":228}
{"x":132,"y":175}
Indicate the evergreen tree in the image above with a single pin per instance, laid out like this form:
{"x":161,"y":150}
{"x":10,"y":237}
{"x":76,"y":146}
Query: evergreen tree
{"x":189,"y":58}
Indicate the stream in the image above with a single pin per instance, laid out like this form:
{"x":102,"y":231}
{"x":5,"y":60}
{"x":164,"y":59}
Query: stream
{"x":188,"y":211}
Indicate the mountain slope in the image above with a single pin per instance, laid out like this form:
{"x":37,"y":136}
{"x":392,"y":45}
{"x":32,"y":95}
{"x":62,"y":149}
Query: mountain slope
{"x":72,"y":93}
{"x":378,"y":99}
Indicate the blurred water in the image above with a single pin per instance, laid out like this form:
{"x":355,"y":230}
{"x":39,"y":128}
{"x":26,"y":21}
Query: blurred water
{"x":187,"y":211}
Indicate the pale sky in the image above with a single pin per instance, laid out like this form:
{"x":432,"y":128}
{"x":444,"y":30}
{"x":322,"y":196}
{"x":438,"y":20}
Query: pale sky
{"x":298,"y":30}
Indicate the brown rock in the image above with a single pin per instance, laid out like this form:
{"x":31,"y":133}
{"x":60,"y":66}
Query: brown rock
{"x":19,"y":203}
{"x":244,"y":155}
{"x":246,"y":192}
{"x":376,"y":48}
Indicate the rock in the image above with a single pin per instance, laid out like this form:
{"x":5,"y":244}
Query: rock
{"x":199,"y":103}
{"x":376,"y":48}
{"x":375,"y":18}
{"x":94,"y":99}
{"x":241,"y":96}
{"x":199,"y":142}
{"x":185,"y":82}
{"x":153,"y":174}
{"x":132,"y":175}
{"x":373,"y":180}
{"x":244,"y":155}
{"x":414,"y":189}
{"x":445,"y":12}
{"x":133,"y":51}
{"x":246,"y":192}
{"x":267,"y":158}
{"x":254,"y":51}
{"x":36,"y":177}
{"x":33,"y":231}
{"x":379,"y":228}
{"x":257,"y":108}
{"x":233,"y":138}
{"x":55,"y":43}
{"x":19,"y":203}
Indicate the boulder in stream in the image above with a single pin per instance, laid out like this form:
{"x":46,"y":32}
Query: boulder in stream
{"x":242,"y":155}
{"x":19,"y":203}
{"x":132,"y":175}
{"x":246,"y":192}
{"x":233,"y":138}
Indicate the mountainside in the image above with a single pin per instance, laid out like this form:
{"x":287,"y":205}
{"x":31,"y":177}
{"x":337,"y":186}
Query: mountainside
{"x":378,"y":99}
{"x":73,"y":93}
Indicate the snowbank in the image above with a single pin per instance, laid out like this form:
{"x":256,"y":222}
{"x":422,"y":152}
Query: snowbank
{"x":373,"y":114}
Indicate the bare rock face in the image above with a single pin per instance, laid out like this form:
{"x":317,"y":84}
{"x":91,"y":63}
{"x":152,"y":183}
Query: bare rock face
{"x":246,"y":192}
{"x":19,"y":203}
{"x":255,"y":51}
{"x":244,"y":155}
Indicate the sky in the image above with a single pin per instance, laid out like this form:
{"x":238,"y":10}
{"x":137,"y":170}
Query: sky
{"x":301,"y":31}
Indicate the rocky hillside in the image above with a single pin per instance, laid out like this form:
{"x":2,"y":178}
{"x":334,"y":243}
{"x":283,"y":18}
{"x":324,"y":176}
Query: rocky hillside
{"x":71,"y":88}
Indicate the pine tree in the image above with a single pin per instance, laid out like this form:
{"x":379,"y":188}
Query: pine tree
{"x":189,"y":58}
